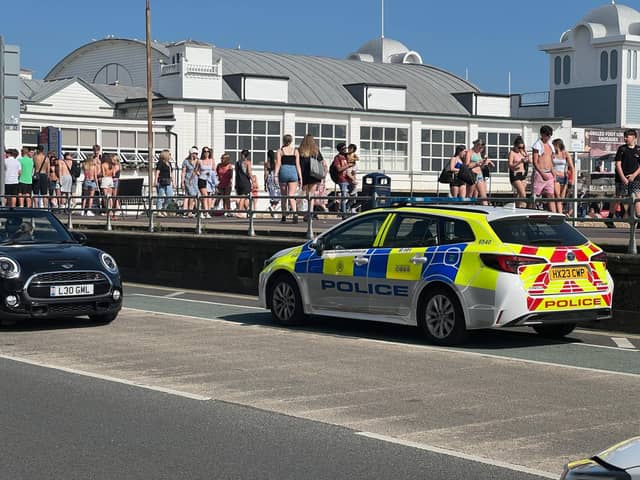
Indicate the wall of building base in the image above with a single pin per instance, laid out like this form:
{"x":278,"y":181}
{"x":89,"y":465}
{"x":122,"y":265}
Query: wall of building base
{"x":229,"y":263}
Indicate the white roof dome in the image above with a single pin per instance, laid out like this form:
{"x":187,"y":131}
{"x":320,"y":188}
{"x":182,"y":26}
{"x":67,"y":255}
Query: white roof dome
{"x":385,"y":50}
{"x":612,"y":20}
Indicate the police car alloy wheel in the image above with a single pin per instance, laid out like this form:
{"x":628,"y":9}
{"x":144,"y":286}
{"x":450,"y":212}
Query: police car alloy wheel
{"x":286,"y":304}
{"x":442,"y":318}
{"x":554,"y":331}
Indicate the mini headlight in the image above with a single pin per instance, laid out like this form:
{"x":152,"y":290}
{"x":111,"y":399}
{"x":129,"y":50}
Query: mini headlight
{"x":109,"y":263}
{"x":9,"y":268}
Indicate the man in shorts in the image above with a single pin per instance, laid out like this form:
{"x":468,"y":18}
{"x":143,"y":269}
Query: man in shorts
{"x":543,"y":178}
{"x":628,"y":168}
{"x":25,"y":181}
{"x":11,"y":175}
{"x":66,"y":179}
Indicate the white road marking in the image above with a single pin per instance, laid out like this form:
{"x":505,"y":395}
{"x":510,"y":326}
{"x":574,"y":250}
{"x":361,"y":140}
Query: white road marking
{"x":197,"y":301}
{"x":170,"y":391}
{"x":414,"y":346}
{"x":607,"y":347}
{"x":605,"y":333}
{"x":453,"y":453}
{"x":199,"y":292}
{"x":174,"y":294}
{"x":624,"y":343}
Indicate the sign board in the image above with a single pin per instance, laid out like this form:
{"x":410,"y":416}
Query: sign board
{"x":11,"y":85}
{"x":599,"y":142}
{"x":50,"y":140}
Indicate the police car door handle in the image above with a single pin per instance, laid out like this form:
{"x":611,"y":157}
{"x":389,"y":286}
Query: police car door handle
{"x":419,"y":260}
{"x":360,"y":261}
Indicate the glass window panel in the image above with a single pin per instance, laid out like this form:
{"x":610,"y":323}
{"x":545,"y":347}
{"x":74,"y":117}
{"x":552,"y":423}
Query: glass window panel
{"x":436,"y":136}
{"x":403,"y":134}
{"x":326,"y":143}
{"x":503,"y":152}
{"x":448,"y":151}
{"x":376,"y":145}
{"x":512,"y":138}
{"x":259,"y":142}
{"x":483,"y":136}
{"x":313,"y":129}
{"x":327,"y":131}
{"x":604,"y":66}
{"x":70,"y":137}
{"x":403,"y":148}
{"x":614,"y":65}
{"x":258,"y":158}
{"x":376,"y":133}
{"x":492,"y":138}
{"x":461,"y":138}
{"x":234,"y":156}
{"x":504,"y":139}
{"x":341,"y":132}
{"x":30,"y":136}
{"x":492,"y":152}
{"x":161,"y":140}
{"x":390,"y":134}
{"x":365,"y":146}
{"x":389,"y":146}
{"x":557,"y":70}
{"x":365,"y":133}
{"x":273,"y":143}
{"x":436,"y":150}
{"x":127,"y":139}
{"x":259,"y":127}
{"x":426,"y":165}
{"x":230,"y":142}
{"x":88,"y":138}
{"x":436,"y":164}
{"x":244,"y":126}
{"x":231,"y":126}
{"x":426,"y":135}
{"x":110,"y":139}
{"x":448,"y":136}
{"x":566,"y":70}
{"x":301,"y":129}
{"x":244,"y":142}
{"x":426,"y":150}
{"x":142,"y":140}
{"x":273,"y":128}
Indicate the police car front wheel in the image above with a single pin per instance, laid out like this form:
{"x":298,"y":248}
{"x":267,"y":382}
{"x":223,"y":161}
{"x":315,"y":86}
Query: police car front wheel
{"x":286,"y":303}
{"x":441,"y":318}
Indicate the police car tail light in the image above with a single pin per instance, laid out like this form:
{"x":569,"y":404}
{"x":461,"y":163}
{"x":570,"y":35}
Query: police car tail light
{"x":600,"y":257}
{"x":509,"y":263}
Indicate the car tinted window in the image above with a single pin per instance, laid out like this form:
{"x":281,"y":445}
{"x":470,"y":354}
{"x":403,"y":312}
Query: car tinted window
{"x":412,"y":231}
{"x":31,"y":227}
{"x":357,"y":234}
{"x":539,"y":231}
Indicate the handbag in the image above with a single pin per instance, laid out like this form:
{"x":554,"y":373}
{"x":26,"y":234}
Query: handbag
{"x":316,"y":169}
{"x":466,"y":175}
{"x":446,"y":176}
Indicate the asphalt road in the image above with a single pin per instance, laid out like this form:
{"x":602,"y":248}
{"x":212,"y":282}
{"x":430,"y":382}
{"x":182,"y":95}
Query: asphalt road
{"x":232,"y":391}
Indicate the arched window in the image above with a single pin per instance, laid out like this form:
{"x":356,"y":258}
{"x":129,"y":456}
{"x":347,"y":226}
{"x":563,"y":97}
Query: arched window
{"x":604,"y":66}
{"x":629,"y":53}
{"x":113,"y":73}
{"x":613,"y":59}
{"x":634,"y":67}
{"x":557,"y":70}
{"x":566,"y":70}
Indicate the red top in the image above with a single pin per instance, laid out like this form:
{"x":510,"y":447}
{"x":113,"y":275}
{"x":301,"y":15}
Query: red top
{"x":225,"y":175}
{"x":341,"y":162}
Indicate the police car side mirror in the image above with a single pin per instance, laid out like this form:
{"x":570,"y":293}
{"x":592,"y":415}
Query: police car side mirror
{"x":317,"y":245}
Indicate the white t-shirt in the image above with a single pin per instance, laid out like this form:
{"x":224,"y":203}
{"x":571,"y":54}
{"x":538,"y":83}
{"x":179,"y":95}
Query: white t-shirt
{"x":12,"y":171}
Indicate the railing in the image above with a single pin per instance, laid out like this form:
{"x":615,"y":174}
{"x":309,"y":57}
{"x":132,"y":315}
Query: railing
{"x":189,"y":68}
{"x":67,"y":208}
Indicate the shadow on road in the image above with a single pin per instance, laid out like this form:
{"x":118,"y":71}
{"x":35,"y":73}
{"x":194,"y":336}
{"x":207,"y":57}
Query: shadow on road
{"x":34,"y":325}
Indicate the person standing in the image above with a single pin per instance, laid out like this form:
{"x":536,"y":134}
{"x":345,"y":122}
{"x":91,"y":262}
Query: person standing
{"x":54,"y":181}
{"x":309,"y":152}
{"x":289,"y":174}
{"x":66,"y":179}
{"x":12,"y":170}
{"x":243,"y":180}
{"x":106,"y":182}
{"x":628,"y":170}
{"x":40,"y":182}
{"x":271,"y":182}
{"x":224,"y":170}
{"x":164,"y":182}
{"x":341,"y":165}
{"x":477,"y":160}
{"x":25,"y":181}
{"x":543,"y":177}
{"x":89,"y":185}
{"x":562,"y":165}
{"x":205,"y":172}
{"x":190,"y":181}
{"x":457,"y":187}
{"x":519,"y":169}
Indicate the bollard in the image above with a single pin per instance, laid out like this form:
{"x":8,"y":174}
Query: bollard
{"x":69,"y":212}
{"x":633,"y":247}
{"x":151,"y":226}
{"x":198,"y":219}
{"x":108,"y":212}
{"x":309,"y":217}
{"x":252,"y":232}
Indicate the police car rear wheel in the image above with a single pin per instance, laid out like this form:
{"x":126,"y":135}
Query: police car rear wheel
{"x":555,"y":331}
{"x":286,"y":304}
{"x":442,"y":318}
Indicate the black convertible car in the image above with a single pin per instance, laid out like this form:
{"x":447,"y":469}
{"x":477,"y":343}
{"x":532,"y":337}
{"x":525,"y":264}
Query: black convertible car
{"x":47,"y":272}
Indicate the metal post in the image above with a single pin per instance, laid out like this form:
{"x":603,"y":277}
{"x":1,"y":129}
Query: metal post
{"x":149,"y":110}
{"x":151,"y":225}
{"x":252,"y":232}
{"x":108,"y":212}
{"x":309,"y":216}
{"x":198,"y":219}
{"x":633,"y":247}
{"x":69,"y":212}
{"x":2,"y":126}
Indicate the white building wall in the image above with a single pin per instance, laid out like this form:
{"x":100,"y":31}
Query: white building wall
{"x":266,"y":89}
{"x":202,"y":127}
{"x":381,"y":98}
{"x":217,"y":132}
{"x":289,"y":123}
{"x":493,"y":106}
{"x":75,"y":100}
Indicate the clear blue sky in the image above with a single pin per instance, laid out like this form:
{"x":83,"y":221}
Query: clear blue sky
{"x":488,"y":38}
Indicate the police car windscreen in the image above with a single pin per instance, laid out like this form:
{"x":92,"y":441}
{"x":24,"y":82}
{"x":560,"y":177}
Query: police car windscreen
{"x":541,"y":231}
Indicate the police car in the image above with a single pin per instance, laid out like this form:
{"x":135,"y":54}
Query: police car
{"x":447,"y":269}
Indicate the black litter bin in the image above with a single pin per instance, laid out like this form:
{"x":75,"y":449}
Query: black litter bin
{"x":375,"y":184}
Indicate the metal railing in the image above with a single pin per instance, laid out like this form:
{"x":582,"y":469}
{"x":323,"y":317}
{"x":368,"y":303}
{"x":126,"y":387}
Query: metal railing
{"x":69,"y":207}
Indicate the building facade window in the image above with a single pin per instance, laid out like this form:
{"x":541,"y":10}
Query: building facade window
{"x":613,"y":60}
{"x":634,"y":67}
{"x":30,"y":136}
{"x":327,"y":136}
{"x":438,"y":147}
{"x":498,"y":145}
{"x":257,"y":136}
{"x":384,"y":148}
{"x":629,"y":55}
{"x":566,"y":70}
{"x":604,"y":66}
{"x":557,"y":70}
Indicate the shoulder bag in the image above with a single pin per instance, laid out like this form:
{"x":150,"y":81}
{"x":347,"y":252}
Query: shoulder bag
{"x":316,"y":169}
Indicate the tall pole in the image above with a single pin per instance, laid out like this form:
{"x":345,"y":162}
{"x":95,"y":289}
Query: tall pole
{"x":382,"y":31}
{"x":149,"y":103}
{"x":2,"y":126}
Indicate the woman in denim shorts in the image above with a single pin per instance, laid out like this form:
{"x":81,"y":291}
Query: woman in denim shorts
{"x":289,"y":174}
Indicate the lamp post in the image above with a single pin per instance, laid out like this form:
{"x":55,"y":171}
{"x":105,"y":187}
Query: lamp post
{"x":149,"y":104}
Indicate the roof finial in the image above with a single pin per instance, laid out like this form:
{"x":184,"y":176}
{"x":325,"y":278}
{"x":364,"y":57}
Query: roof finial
{"x":382,"y":36}
{"x":613,"y":2}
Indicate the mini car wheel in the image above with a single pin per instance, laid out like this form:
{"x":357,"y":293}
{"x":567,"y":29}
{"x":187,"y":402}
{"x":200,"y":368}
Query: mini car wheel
{"x":441,"y":318}
{"x":103,"y":319}
{"x":555,"y":331}
{"x":286,"y":302}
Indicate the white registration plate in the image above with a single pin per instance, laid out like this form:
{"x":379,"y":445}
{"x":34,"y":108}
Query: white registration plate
{"x":71,"y":290}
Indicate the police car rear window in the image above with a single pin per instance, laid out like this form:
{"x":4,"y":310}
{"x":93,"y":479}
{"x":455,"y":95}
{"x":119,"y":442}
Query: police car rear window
{"x":538,"y":231}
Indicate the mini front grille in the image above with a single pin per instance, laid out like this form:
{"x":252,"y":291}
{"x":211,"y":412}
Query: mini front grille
{"x":57,"y":277}
{"x":72,"y":308}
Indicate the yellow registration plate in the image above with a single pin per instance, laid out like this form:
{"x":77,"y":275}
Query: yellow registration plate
{"x":578,"y":272}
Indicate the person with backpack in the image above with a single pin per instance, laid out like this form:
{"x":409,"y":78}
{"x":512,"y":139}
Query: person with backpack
{"x":338,"y":173}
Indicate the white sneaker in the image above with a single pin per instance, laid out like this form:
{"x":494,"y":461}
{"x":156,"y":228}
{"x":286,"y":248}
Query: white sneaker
{"x":90,"y":214}
{"x":82,"y":213}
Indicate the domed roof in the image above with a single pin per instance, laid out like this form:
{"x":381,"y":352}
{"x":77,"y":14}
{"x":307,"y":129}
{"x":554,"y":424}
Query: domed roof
{"x":613,"y":19}
{"x":385,"y":50}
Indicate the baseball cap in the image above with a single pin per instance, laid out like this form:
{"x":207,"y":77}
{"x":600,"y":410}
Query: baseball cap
{"x":193,"y":150}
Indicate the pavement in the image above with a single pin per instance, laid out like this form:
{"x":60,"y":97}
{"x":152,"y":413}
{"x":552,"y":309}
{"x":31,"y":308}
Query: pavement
{"x":509,"y":401}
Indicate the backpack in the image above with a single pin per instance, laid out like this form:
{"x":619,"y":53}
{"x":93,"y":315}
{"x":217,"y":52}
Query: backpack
{"x":334,"y":173}
{"x":75,"y":169}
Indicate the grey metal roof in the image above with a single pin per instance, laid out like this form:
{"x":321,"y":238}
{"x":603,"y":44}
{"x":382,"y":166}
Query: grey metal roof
{"x":38,"y":90}
{"x":319,"y":81}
